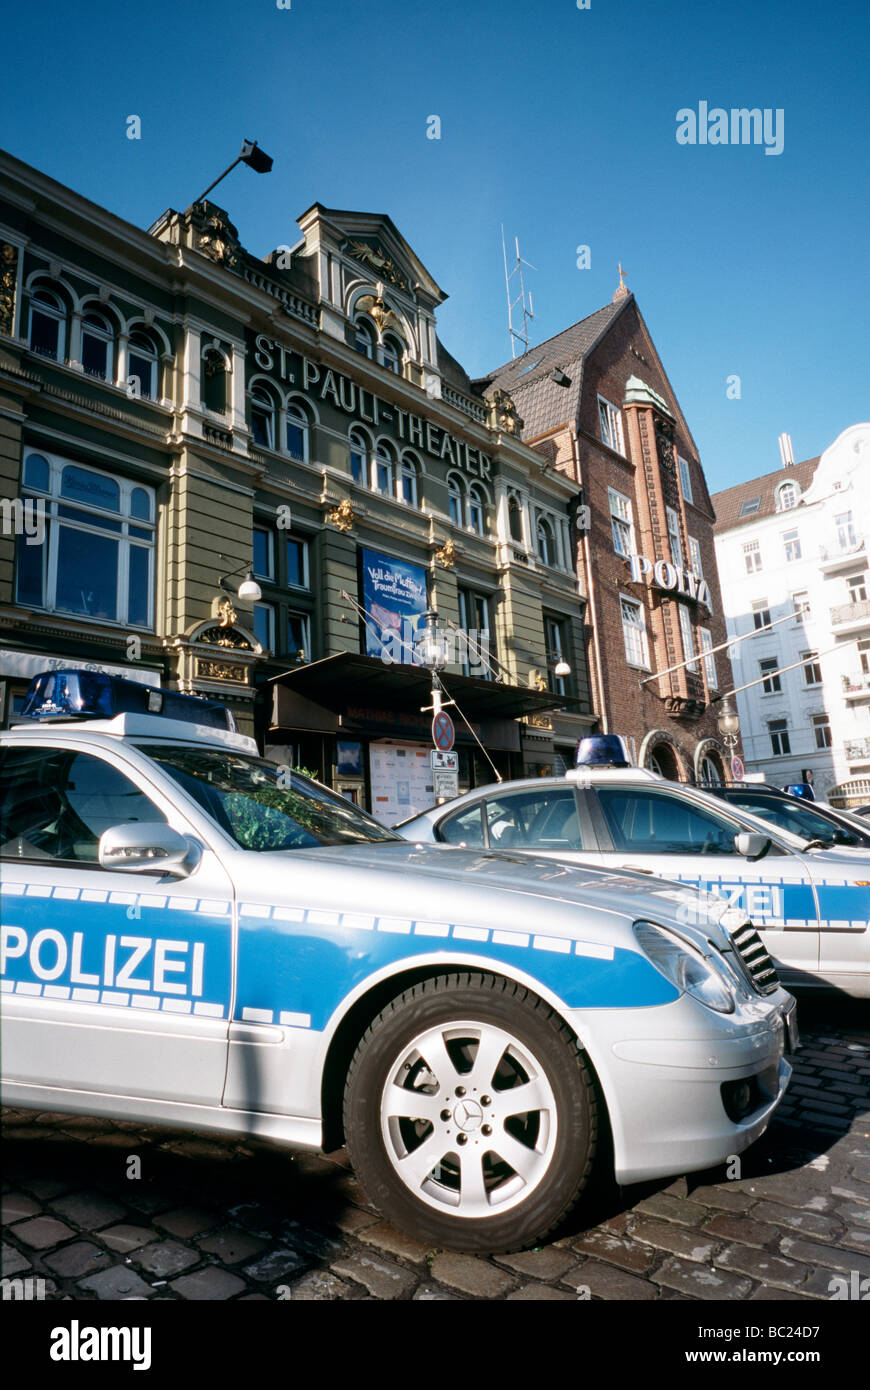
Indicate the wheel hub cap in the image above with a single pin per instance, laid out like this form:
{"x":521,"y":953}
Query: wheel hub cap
{"x":467,"y":1116}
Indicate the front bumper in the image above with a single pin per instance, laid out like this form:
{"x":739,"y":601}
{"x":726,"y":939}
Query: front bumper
{"x":662,"y":1071}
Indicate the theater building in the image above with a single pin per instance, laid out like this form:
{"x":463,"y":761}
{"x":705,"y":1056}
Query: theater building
{"x":597,"y":401}
{"x":180,"y":419}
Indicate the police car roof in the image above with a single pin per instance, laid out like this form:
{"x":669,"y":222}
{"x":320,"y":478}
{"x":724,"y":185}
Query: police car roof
{"x":137,"y":726}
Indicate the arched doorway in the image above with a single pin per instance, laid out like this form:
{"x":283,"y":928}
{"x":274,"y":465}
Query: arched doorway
{"x":709,"y":760}
{"x":663,"y":760}
{"x":661,"y":753}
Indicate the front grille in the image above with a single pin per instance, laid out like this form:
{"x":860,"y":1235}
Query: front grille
{"x":756,"y":962}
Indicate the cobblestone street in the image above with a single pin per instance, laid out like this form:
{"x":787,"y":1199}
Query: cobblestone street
{"x":218,"y":1219}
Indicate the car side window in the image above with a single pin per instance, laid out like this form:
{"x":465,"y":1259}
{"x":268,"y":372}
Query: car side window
{"x":56,"y":803}
{"x":466,"y":828}
{"x":542,"y":820}
{"x":651,"y":822}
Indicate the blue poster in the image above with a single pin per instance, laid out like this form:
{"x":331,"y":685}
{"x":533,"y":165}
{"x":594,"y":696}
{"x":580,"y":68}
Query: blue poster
{"x":395,"y":600}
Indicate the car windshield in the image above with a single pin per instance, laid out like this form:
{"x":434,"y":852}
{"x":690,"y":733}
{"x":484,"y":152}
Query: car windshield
{"x":752,"y":820}
{"x":801,"y":820}
{"x":262,"y":806}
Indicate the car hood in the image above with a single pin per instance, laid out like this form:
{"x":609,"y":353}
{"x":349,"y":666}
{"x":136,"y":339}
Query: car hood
{"x":485,"y":888}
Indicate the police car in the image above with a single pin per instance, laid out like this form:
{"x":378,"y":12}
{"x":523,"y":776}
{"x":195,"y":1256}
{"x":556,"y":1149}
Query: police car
{"x":809,"y":901}
{"x":196,"y":937}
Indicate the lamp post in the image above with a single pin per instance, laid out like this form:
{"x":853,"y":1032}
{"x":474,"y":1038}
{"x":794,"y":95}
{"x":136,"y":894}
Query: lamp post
{"x":249,"y":588}
{"x":729,"y":725}
{"x":252,"y":155}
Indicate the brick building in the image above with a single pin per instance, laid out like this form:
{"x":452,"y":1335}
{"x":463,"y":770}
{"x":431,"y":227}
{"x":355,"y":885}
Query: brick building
{"x":597,"y":401}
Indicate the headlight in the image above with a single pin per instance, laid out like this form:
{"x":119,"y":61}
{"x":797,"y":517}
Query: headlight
{"x":685,"y":968}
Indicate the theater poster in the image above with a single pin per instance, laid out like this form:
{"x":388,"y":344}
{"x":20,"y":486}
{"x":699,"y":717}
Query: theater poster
{"x":395,"y":600}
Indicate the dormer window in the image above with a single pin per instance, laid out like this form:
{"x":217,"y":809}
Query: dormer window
{"x":786,"y":497}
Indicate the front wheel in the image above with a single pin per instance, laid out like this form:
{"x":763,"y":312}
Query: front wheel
{"x":470,"y":1114}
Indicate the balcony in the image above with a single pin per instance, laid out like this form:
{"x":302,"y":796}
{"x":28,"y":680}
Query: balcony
{"x":843,"y":555}
{"x":850,"y":617}
{"x":858,"y":750}
{"x":856,"y":687}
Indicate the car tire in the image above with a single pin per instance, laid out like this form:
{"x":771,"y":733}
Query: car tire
{"x":439,"y":1143}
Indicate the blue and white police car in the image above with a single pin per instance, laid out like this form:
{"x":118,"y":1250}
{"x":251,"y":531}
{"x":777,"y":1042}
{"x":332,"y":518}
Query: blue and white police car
{"x":809,"y":900}
{"x":194,"y":936}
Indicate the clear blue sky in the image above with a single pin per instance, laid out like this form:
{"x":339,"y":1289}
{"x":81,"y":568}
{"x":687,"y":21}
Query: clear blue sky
{"x":556,"y":121}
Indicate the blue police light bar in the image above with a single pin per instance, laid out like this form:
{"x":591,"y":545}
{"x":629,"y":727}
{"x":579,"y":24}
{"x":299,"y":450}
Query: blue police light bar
{"x":802,"y":789}
{"x":601,"y":750}
{"x":56,"y":695}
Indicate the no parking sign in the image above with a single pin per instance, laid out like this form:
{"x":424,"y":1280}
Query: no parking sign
{"x":443,"y":732}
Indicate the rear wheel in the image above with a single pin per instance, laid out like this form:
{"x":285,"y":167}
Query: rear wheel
{"x":470,"y":1114}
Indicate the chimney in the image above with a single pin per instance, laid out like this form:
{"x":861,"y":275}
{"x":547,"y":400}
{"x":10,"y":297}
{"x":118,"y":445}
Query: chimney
{"x":786,"y":452}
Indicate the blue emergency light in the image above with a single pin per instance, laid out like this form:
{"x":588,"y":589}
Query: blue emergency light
{"x":97,"y":695}
{"x":601,"y":750}
{"x":802,"y":789}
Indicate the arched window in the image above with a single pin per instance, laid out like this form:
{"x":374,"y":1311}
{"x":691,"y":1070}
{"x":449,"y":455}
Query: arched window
{"x":515,"y":519}
{"x":98,"y":340}
{"x":262,"y":418}
{"x":297,"y":432}
{"x":143,"y":363}
{"x":391,"y":355}
{"x":213,"y":391}
{"x":363,"y":337}
{"x":786,"y":497}
{"x":546,"y":545}
{"x":384,"y":465}
{"x":477,"y":509}
{"x":456,"y":491}
{"x":47,"y":329}
{"x":408,"y":482}
{"x":359,"y":456}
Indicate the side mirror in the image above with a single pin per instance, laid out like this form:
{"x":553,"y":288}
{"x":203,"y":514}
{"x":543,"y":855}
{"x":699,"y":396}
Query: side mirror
{"x":147,"y":847}
{"x":750,"y":845}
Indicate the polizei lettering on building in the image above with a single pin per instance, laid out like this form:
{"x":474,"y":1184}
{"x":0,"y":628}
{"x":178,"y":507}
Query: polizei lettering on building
{"x":313,"y":379}
{"x":663,"y":575}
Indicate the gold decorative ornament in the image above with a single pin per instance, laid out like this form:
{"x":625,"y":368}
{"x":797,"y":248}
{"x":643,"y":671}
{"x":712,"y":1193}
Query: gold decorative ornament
{"x":376,"y":307}
{"x":506,"y":418}
{"x":8,"y":271}
{"x":446,"y":556}
{"x":376,"y":258}
{"x":222,"y":671}
{"x":227,"y":612}
{"x":342,"y":516}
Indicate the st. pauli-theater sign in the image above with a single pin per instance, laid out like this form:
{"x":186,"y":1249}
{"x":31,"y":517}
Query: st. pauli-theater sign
{"x":324,"y":384}
{"x":669,"y":578}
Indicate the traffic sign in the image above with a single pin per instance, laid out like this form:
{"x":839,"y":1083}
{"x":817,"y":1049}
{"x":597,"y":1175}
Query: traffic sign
{"x":445,"y":785}
{"x":443,"y":762}
{"x":443,"y":732}
{"x":737,"y":768}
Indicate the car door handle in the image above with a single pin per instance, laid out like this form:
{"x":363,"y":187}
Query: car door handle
{"x":636,"y":868}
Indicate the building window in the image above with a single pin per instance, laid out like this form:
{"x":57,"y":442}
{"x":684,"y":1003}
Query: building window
{"x":143,"y":363}
{"x":515,"y":519}
{"x":555,"y":636}
{"x":391,"y":355}
{"x":771,"y":685}
{"x":709,"y":659}
{"x":477,"y":509}
{"x":262,"y":418}
{"x":359,"y":453}
{"x":786,"y":497}
{"x":474,"y":621}
{"x":792,"y":545}
{"x":297,"y":563}
{"x":96,"y":559}
{"x":822,"y":731}
{"x":546,"y":543}
{"x":214,"y":381}
{"x":750,"y":506}
{"x":621,"y":522}
{"x":298,"y":642}
{"x":363,"y":337}
{"x":688,"y":637}
{"x":456,"y":495}
{"x":611,"y":425}
{"x":634,"y":632}
{"x":760,"y":614}
{"x":264,"y":553}
{"x":800,"y":605}
{"x":857,"y":586}
{"x":846,"y":538}
{"x":864,"y":656}
{"x":752,"y":556}
{"x":779,"y":740}
{"x":812,"y":668}
{"x":674,"y":537}
{"x":264,"y":625}
{"x":695,"y":558}
{"x":383,"y":470}
{"x":685,"y":478}
{"x":409,"y":480}
{"x":47,"y":330}
{"x":296,"y":432}
{"x":98,"y":341}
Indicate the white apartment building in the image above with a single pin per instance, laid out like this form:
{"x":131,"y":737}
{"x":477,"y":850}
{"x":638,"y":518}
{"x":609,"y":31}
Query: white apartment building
{"x":792,"y":551}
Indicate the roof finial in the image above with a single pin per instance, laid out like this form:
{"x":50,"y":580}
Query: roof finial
{"x":622,"y":291}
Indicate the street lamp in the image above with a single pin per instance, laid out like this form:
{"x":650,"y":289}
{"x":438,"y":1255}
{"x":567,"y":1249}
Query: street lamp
{"x":561,"y":668}
{"x":252,"y":155}
{"x":431,"y":647}
{"x":249,"y":588}
{"x":729,"y":724}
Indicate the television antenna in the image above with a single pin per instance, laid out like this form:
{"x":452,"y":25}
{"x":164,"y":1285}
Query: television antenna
{"x":516,"y":298}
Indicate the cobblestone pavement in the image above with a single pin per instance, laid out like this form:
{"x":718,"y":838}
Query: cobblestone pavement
{"x":218,"y":1219}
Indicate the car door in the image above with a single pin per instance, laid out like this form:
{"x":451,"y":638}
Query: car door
{"x":662,"y":830}
{"x":112,"y":981}
{"x":842,"y":880}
